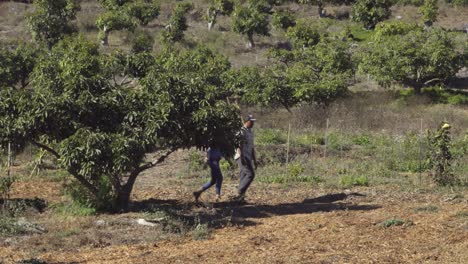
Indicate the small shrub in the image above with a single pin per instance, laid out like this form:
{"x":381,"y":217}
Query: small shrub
{"x":74,"y":209}
{"x":441,"y":156}
{"x":361,"y":140}
{"x":429,"y":208}
{"x":8,"y":226}
{"x":295,"y":170}
{"x":270,"y":137}
{"x":348,"y":181}
{"x":196,"y":160}
{"x":393,"y":222}
{"x":462,"y":214}
{"x":201,"y":232}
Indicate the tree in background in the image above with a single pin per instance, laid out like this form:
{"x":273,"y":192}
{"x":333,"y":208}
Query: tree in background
{"x":178,"y":23}
{"x":216,"y":8}
{"x":50,"y":21}
{"x":410,"y":56}
{"x":303,"y":34}
{"x":429,"y":12}
{"x":252,"y":19}
{"x":371,"y":12}
{"x":125,"y":15}
{"x":100,"y":130}
{"x":283,"y":19}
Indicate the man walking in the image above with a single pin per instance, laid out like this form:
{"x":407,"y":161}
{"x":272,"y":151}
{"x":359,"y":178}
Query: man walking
{"x":245,"y":156}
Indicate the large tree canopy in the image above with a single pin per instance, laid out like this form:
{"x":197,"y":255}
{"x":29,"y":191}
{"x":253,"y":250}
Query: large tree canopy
{"x":100,"y":129}
{"x":408,"y":55}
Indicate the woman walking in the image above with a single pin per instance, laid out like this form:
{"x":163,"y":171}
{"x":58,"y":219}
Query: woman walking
{"x":213,"y":156}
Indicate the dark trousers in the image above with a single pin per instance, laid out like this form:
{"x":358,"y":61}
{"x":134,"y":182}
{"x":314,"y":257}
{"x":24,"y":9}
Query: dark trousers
{"x":216,"y":177}
{"x":247,"y":174}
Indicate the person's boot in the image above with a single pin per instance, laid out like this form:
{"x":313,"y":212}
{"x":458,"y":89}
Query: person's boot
{"x":218,"y":197}
{"x":196,"y":195}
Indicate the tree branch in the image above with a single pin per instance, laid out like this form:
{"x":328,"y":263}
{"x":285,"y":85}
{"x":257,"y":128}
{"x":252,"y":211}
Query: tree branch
{"x":156,"y":161}
{"x":45,"y":147}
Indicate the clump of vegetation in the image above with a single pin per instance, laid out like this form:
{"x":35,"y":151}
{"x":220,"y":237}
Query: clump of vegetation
{"x":441,"y":157}
{"x":348,"y":181}
{"x":201,"y":232}
{"x":429,"y":208}
{"x":371,"y":12}
{"x":396,"y":222}
{"x":429,"y":12}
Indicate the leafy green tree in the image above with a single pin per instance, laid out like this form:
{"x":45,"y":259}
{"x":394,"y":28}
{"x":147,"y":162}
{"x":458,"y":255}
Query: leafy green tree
{"x":218,"y":7}
{"x":318,"y":74}
{"x":143,"y":11}
{"x":251,"y":19}
{"x":303,"y":34}
{"x":16,"y":64}
{"x":282,"y":19}
{"x":142,"y":42}
{"x":125,"y":15}
{"x":429,"y":12}
{"x":371,"y":12}
{"x":50,"y":21}
{"x":101,"y":130}
{"x":178,"y":23}
{"x":415,"y":58}
{"x":112,"y":21}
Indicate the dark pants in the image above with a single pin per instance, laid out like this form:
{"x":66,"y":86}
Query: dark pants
{"x":216,"y":177}
{"x":247,"y":174}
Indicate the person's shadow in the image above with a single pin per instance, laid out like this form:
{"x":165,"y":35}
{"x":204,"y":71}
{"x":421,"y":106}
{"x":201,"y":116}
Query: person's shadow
{"x":223,"y":213}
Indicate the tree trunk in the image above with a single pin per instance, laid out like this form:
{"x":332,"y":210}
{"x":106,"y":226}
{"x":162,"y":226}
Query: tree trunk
{"x":321,"y":11}
{"x":123,"y":199}
{"x":105,"y":37}
{"x":250,"y":43}
{"x":210,"y":25}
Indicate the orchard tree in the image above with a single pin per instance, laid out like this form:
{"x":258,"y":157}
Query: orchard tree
{"x":125,"y":15}
{"x":303,"y":34}
{"x":429,"y":12}
{"x":50,"y":21}
{"x":371,"y":12}
{"x":283,"y":19}
{"x":318,"y":74}
{"x":112,"y":21}
{"x":251,"y":19}
{"x":216,"y":8}
{"x":16,"y":64}
{"x":100,"y":131}
{"x":178,"y":23}
{"x":415,"y":58}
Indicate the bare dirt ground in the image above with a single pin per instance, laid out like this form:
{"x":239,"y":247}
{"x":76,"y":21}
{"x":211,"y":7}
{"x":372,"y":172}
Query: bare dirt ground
{"x":280,"y":224}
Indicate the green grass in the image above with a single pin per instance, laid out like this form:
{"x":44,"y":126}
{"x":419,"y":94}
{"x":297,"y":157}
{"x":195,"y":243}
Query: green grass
{"x":73,"y":209}
{"x":9,"y":226}
{"x":396,"y":222}
{"x":462,"y":214}
{"x":428,"y":209}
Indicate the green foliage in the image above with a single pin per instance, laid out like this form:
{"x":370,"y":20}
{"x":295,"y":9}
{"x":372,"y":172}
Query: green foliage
{"x":462,"y":214}
{"x":142,"y":42}
{"x":441,"y":156}
{"x":8,"y":226}
{"x":283,"y":19}
{"x":394,"y":28}
{"x":393,"y":222}
{"x":74,"y":208}
{"x":416,"y":58}
{"x":303,"y":34}
{"x":218,"y":7}
{"x":457,"y":2}
{"x":177,"y":24}
{"x":371,"y":12}
{"x":348,"y":181}
{"x":196,"y":160}
{"x":201,"y":232}
{"x":125,"y":14}
{"x":100,"y":130}
{"x":5,"y":186}
{"x":270,"y":136}
{"x":17,"y":64}
{"x":111,"y":21}
{"x":50,"y":21}
{"x":250,"y":19}
{"x":143,"y":10}
{"x":429,"y":12}
{"x":429,"y":208}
